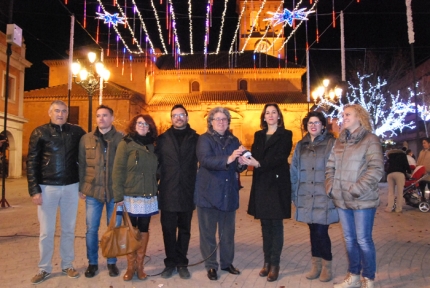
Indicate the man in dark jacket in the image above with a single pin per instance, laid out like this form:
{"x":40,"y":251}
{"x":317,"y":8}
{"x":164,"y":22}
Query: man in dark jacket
{"x":96,"y":155}
{"x":53,"y":181}
{"x":176,"y":151}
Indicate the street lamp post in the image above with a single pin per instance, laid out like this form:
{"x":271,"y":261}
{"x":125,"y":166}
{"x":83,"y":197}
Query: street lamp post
{"x":324,"y":96}
{"x":90,"y":80}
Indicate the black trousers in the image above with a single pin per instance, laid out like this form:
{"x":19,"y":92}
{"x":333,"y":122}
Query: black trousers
{"x":320,"y":241}
{"x":176,"y":234}
{"x":273,"y":240}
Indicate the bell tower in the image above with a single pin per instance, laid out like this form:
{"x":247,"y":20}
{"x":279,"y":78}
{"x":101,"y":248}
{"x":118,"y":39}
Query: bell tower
{"x":252,"y":37}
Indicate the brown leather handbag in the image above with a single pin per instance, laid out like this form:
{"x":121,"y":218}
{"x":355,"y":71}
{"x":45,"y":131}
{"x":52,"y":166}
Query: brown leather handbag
{"x":121,"y":240}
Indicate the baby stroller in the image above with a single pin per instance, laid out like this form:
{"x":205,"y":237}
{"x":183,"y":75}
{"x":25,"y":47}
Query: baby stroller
{"x":412,"y":192}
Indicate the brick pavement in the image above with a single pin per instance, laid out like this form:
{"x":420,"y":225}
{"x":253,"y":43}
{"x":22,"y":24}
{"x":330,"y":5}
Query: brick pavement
{"x":402,"y":243}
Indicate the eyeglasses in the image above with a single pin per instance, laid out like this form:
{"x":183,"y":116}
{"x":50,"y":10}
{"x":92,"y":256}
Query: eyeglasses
{"x":316,"y":123}
{"x":181,"y":115}
{"x":142,"y":124}
{"x":220,"y":119}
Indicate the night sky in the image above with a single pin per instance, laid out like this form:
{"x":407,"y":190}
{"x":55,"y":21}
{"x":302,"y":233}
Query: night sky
{"x":370,"y":26}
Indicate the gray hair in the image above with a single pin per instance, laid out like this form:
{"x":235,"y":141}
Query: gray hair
{"x":215,"y":110}
{"x":58,"y":102}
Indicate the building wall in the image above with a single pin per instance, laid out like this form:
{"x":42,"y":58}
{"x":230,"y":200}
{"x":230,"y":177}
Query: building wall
{"x":15,"y":116}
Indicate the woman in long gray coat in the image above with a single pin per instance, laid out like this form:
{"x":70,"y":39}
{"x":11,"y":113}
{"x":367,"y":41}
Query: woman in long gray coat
{"x":270,"y":198}
{"x":308,"y":192}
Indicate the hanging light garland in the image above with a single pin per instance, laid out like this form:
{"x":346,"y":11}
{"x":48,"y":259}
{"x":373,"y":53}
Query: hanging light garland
{"x":253,"y":24}
{"x":230,"y":51}
{"x":222,"y":26}
{"x":268,"y":28}
{"x":190,"y":20}
{"x":158,"y":25}
{"x":173,"y":22}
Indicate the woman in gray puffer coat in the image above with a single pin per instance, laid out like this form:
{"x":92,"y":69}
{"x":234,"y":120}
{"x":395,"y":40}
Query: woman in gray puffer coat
{"x":354,"y":168}
{"x":308,"y":192}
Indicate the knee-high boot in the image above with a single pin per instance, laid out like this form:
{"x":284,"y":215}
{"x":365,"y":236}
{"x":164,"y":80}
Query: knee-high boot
{"x":131,"y":266}
{"x":141,"y":256}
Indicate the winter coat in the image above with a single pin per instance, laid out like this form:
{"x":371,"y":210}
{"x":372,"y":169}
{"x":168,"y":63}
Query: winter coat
{"x":424,"y":159}
{"x":307,"y":180}
{"x":217,"y":184}
{"x":398,"y":162}
{"x":270,"y":196}
{"x":354,"y":169}
{"x":134,"y":170}
{"x":53,"y":156}
{"x":96,"y":156}
{"x":177,"y":171}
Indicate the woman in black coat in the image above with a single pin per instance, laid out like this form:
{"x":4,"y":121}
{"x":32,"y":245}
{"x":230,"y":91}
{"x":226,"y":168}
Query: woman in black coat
{"x":270,"y":199}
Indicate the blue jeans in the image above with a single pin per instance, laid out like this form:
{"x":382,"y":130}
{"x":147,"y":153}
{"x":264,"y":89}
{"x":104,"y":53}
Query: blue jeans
{"x":357,"y":226}
{"x":94,"y":210}
{"x":54,"y":197}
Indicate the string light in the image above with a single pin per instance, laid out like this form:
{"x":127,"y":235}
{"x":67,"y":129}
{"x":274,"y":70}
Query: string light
{"x":191,"y":26}
{"x":281,"y":31}
{"x":253,"y":24}
{"x":175,"y":35}
{"x":297,"y":26}
{"x":230,"y":51}
{"x":222,"y":26}
{"x":205,"y":48}
{"x":118,"y":33}
{"x":158,"y":26}
{"x":267,"y":29}
{"x":129,"y":28}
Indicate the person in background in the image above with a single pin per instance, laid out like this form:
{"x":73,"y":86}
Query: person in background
{"x":411,"y":158}
{"x":270,"y":198}
{"x":176,"y":151}
{"x":217,"y":191}
{"x":135,"y":184}
{"x":96,"y":155}
{"x":424,"y":160}
{"x":308,"y":192}
{"x":398,"y":166}
{"x":354,"y":169}
{"x":53,"y":182}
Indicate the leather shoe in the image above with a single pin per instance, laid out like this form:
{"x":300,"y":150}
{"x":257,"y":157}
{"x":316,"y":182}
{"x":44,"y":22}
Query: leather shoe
{"x":212,"y":274}
{"x":230,"y":269}
{"x":91,"y":271}
{"x":273,"y":273}
{"x":113,"y":270}
{"x":265,"y":270}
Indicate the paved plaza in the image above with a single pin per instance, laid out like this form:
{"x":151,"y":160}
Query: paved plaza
{"x":402,"y":242}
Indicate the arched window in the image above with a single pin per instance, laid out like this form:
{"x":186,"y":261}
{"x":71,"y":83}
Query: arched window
{"x":243,"y":85}
{"x":195,"y":86}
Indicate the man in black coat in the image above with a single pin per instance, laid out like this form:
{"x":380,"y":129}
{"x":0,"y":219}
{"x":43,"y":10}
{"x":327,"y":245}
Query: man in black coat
{"x":176,"y":151}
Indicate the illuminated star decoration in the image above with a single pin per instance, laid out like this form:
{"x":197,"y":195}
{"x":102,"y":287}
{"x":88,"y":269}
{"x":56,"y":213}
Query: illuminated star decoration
{"x":111,"y":18}
{"x":288,"y":16}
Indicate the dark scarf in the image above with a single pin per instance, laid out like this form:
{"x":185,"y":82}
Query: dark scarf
{"x":142,"y":140}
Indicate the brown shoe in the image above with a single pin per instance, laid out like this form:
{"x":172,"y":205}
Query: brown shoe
{"x":315,"y":270}
{"x":265,"y":270}
{"x":71,"y":272}
{"x":273,"y":273}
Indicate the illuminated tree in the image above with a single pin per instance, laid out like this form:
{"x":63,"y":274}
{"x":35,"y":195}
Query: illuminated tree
{"x":387,"y":110}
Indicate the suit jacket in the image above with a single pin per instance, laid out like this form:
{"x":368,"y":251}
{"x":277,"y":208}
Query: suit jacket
{"x":271,"y":186}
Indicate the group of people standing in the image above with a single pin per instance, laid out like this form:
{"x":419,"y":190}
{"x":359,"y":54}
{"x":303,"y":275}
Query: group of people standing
{"x":175,"y":172}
